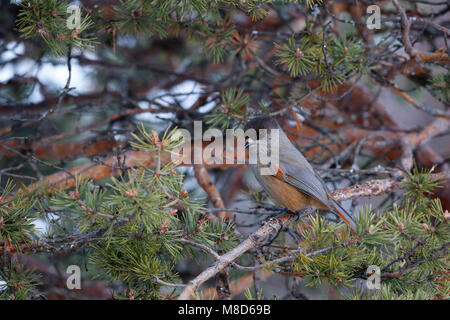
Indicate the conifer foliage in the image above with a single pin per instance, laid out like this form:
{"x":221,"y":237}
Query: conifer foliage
{"x":367,"y":107}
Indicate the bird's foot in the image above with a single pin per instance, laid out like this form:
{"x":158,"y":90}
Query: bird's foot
{"x":275,"y":217}
{"x":270,"y":241}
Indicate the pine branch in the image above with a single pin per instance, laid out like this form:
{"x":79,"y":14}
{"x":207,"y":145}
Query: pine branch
{"x":272,"y":227}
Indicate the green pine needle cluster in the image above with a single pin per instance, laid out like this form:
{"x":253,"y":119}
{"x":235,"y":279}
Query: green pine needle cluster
{"x":47,"y":20}
{"x":18,"y":211}
{"x":331,"y":60}
{"x":21,"y":282}
{"x":232,"y":110}
{"x":142,"y":17}
{"x":133,"y":226}
{"x":143,"y":218}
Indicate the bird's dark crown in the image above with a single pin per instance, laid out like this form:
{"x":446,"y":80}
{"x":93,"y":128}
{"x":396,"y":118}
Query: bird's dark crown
{"x":263,"y":122}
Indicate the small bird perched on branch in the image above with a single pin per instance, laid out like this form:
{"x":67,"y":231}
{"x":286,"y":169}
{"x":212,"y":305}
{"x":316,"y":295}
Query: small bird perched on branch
{"x":294,"y":184}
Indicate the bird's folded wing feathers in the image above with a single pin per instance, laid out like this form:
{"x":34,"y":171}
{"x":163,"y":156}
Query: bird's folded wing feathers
{"x":311,"y":183}
{"x":306,"y":181}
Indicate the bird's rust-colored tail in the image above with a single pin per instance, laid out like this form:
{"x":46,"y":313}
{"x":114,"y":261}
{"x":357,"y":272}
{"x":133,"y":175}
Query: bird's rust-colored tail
{"x":344,"y":215}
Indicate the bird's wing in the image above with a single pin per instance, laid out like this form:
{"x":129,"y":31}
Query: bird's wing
{"x":310,"y":183}
{"x":304,"y":180}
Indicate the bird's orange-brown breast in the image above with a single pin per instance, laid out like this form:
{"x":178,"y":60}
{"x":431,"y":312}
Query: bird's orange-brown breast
{"x":288,"y":196}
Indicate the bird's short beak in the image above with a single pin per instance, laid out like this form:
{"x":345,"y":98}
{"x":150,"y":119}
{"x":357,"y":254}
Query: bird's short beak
{"x":249,"y":142}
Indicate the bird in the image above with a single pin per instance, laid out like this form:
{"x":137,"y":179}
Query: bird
{"x":293,"y":184}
